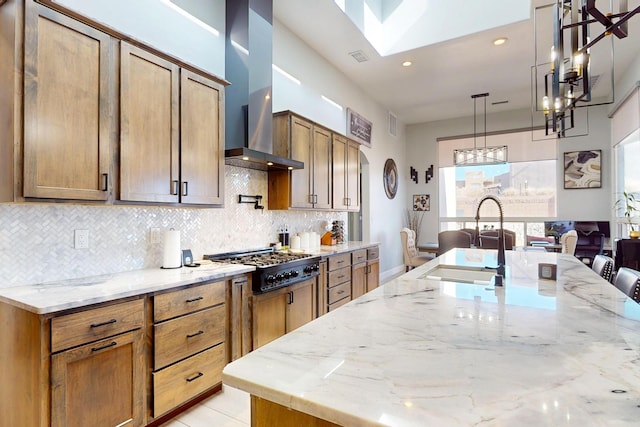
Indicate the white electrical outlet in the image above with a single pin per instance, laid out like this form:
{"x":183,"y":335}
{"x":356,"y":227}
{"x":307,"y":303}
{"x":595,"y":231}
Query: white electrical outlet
{"x":81,"y":239}
{"x":155,"y":235}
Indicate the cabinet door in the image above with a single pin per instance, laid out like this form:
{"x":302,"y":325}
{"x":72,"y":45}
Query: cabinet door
{"x":301,"y":304}
{"x":353,"y":176}
{"x":301,"y":135}
{"x":339,"y":156}
{"x":269,"y":317}
{"x":100,"y":384}
{"x":149,"y":133}
{"x":373,"y":274}
{"x":322,"y":168}
{"x":67,"y":108}
{"x":358,"y":280}
{"x":201,"y":140}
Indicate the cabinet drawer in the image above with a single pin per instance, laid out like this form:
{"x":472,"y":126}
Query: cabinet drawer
{"x":373,"y":253}
{"x":339,"y":276}
{"x":339,"y":261}
{"x":94,"y":324}
{"x":173,"y":304}
{"x":180,"y":338}
{"x":338,"y":303}
{"x":338,"y":292}
{"x":358,"y":256}
{"x":176,"y":384}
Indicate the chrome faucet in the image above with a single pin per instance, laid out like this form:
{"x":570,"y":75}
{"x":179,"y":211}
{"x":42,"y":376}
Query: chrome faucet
{"x":500,"y":270}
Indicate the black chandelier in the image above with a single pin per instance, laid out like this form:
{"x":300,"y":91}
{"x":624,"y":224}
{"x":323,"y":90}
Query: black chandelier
{"x":568,"y":85}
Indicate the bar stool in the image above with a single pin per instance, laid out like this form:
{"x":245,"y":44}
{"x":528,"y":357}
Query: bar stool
{"x":603,"y":265}
{"x":628,"y":281}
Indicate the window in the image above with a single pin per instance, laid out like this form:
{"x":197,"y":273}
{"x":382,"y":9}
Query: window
{"x":526,"y":186}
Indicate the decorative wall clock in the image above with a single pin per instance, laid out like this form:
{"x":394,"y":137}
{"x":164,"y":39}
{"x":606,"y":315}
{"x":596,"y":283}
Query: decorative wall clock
{"x":390,"y":178}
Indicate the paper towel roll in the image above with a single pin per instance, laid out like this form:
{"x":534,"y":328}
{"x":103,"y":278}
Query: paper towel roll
{"x":171,"y":256}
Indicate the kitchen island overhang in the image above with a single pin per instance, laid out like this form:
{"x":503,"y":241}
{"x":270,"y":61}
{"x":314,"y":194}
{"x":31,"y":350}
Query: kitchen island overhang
{"x":418,"y":352}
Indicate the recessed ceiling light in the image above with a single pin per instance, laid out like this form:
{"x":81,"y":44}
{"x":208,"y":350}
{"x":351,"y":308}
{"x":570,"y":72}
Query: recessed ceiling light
{"x":407,"y":63}
{"x":500,"y":41}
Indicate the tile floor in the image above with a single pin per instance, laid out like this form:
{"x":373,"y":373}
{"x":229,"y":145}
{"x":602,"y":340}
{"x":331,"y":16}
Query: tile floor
{"x":228,"y":408}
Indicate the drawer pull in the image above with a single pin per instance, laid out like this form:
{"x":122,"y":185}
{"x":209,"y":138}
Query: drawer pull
{"x":108,"y":322}
{"x":198,"y":375}
{"x":194,"y":299}
{"x":195,"y":335}
{"x":341,"y":276}
{"x":340,"y":292}
{"x":111,"y":344}
{"x":340,"y":262}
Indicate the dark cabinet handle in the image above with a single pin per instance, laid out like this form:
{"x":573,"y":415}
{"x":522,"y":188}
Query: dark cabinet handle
{"x":340,"y":292}
{"x":105,"y":181}
{"x":174,"y":187}
{"x":198,"y":375}
{"x":195,"y":299}
{"x":108,"y":322}
{"x":341,"y":276}
{"x":340,"y":262}
{"x":185,"y":188}
{"x":195,"y":335}
{"x":289,"y":297}
{"x":111,"y":344}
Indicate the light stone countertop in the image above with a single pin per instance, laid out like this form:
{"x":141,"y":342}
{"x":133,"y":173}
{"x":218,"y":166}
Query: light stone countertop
{"x":52,"y":297}
{"x":421,"y":352}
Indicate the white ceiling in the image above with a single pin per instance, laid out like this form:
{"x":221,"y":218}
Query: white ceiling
{"x":444,"y":75}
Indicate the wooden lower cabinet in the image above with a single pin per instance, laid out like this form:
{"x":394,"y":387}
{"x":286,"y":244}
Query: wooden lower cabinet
{"x":122,"y":363}
{"x":99,"y":384}
{"x":265,"y":413}
{"x":186,"y":379}
{"x":277,"y":312}
{"x":190,"y":333}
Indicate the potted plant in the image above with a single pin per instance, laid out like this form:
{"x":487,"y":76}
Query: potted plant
{"x":628,"y":202}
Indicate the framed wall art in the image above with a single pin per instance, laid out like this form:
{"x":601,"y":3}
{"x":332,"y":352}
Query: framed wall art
{"x":358,"y":127}
{"x":583,"y":169}
{"x":421,"y":202}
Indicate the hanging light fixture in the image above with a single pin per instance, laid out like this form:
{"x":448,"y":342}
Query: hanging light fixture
{"x":480,"y":155}
{"x":567,"y":85}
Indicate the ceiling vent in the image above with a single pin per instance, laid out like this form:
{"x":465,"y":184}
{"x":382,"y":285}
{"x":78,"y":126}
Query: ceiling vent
{"x":359,"y":55}
{"x":393,"y":124}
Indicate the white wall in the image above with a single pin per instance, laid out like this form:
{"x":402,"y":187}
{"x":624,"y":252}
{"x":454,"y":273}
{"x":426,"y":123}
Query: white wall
{"x":318,"y":77}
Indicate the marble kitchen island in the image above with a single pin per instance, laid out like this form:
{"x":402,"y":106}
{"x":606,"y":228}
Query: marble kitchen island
{"x":425,"y":352}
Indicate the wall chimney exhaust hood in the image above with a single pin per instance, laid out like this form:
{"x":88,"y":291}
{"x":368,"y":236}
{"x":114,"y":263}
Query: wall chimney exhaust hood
{"x":248,"y":111}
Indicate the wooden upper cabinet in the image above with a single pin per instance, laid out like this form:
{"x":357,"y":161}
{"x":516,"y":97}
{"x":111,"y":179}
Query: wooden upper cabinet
{"x":353,"y":176}
{"x":322,"y":168}
{"x":346,"y":174}
{"x":68,"y":108}
{"x":149,"y":132}
{"x":202,"y":139}
{"x":302,"y":140}
{"x":172,"y":132}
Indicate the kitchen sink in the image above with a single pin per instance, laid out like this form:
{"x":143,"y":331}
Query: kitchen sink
{"x":459,"y":274}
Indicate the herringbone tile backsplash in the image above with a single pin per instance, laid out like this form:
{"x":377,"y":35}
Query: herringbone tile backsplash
{"x":37,"y":239}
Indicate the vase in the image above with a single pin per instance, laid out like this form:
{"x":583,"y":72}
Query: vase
{"x":634,"y":234}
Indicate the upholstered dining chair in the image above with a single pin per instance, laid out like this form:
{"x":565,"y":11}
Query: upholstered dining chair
{"x":412,"y":257}
{"x":450,"y":239}
{"x":603,"y":265}
{"x":568,"y":241}
{"x":628,"y":281}
{"x":489,"y":239}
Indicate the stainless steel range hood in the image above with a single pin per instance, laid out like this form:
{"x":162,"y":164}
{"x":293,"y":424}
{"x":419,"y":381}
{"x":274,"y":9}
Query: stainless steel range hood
{"x":248,"y":111}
